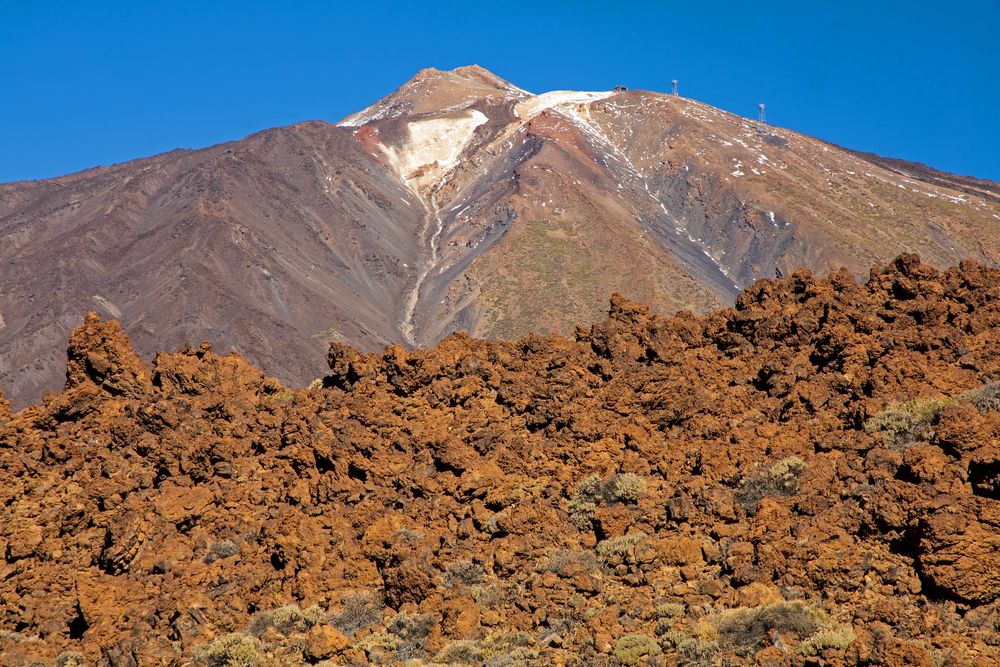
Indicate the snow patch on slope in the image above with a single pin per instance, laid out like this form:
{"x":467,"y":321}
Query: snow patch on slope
{"x":433,"y":147}
{"x":368,"y":115}
{"x":539,"y":103}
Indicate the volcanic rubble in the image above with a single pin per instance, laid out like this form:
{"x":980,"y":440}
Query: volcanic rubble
{"x":810,"y":477}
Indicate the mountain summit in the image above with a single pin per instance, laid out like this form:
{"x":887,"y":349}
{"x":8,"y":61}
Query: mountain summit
{"x":458,"y":202}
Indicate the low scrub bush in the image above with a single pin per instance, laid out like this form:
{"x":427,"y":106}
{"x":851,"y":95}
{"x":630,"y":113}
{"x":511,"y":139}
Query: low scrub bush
{"x":747,"y":630}
{"x":233,"y":650}
{"x":781,"y":479}
{"x":519,"y":656}
{"x":286,"y":620}
{"x":498,"y":641}
{"x":413,"y":631}
{"x":838,"y":638}
{"x":695,"y":650}
{"x":630,"y":648}
{"x":666,"y":615}
{"x":492,"y":594}
{"x":669,"y":610}
{"x":984,"y":399}
{"x":461,"y":652}
{"x":627,"y":487}
{"x":621,"y":547}
{"x":381,"y":648}
{"x":562,"y":561}
{"x":71,"y":659}
{"x":220,"y":550}
{"x":622,"y":488}
{"x":463,"y":572}
{"x":584,"y":502}
{"x":906,"y":424}
{"x":357,"y":611}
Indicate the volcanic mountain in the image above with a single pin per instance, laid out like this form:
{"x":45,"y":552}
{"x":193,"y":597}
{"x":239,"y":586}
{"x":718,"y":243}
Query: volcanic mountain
{"x":458,"y":202}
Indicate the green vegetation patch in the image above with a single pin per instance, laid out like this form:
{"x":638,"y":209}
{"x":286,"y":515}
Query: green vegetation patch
{"x":233,"y":650}
{"x":630,"y":648}
{"x":905,"y":424}
{"x":286,"y":620}
{"x":622,"y":488}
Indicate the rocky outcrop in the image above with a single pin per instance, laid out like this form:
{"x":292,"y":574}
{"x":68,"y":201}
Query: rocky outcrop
{"x":100,"y":354}
{"x":692,"y":489}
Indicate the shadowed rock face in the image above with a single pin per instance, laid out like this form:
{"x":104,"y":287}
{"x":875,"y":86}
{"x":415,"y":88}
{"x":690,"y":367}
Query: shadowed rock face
{"x":459,"y":202}
{"x":639,"y":478}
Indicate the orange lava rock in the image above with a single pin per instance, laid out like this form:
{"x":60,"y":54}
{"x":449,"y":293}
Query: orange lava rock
{"x":323,"y":641}
{"x":437,"y":500}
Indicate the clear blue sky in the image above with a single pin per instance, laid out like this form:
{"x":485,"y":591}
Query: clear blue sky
{"x":89,"y":83}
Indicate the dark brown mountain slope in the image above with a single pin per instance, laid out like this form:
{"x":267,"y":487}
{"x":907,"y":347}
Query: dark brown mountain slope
{"x":458,"y":202}
{"x":262,"y":245}
{"x":694,"y":490}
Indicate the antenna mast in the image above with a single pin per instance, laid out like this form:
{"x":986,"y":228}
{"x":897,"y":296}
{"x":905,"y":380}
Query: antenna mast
{"x":762,"y":119}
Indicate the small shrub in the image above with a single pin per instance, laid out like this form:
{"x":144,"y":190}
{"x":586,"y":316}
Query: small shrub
{"x":672,"y":639}
{"x":233,"y":650}
{"x":286,"y":620}
{"x":695,"y":649}
{"x":220,"y":550}
{"x":357,"y":611}
{"x":491,"y":594}
{"x":71,"y":659}
{"x":941,"y":658}
{"x":746,"y":630}
{"x":312,"y":615}
{"x":619,"y":546}
{"x":379,"y":647}
{"x":623,"y":488}
{"x":407,"y":535}
{"x":698,"y":651}
{"x":506,"y":640}
{"x":906,"y":424}
{"x":785,"y":475}
{"x":630,"y":648}
{"x":838,"y":638}
{"x":628,"y":487}
{"x":781,"y":479}
{"x":413,"y":632}
{"x":461,"y":652}
{"x":519,"y":656}
{"x":984,"y":399}
{"x":554,"y":627}
{"x":669,"y":610}
{"x":666,"y":615}
{"x":584,"y":502}
{"x":561,"y":560}
{"x":465,"y":572}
